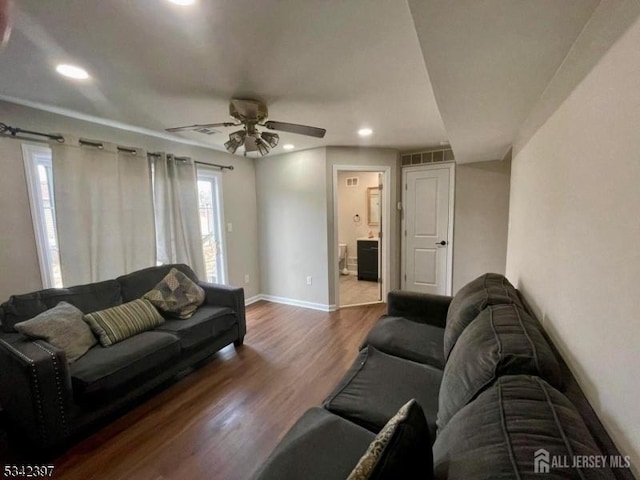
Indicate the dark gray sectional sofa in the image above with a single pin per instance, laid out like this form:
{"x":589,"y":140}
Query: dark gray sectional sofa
{"x":49,"y":402}
{"x":493,"y":388}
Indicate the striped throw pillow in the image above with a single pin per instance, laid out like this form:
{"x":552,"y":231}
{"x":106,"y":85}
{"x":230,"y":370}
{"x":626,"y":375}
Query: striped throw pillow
{"x":119,"y":323}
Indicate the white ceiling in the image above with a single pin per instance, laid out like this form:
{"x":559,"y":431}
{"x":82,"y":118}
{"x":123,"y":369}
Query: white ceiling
{"x":336,"y":64}
{"x":489,"y":62}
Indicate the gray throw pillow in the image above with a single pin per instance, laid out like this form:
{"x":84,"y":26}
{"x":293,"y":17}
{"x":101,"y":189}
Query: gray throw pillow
{"x":488,"y":289}
{"x":63,"y":327}
{"x":502,"y":340}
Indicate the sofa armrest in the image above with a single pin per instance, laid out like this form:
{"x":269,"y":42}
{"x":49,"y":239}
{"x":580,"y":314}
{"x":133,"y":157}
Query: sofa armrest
{"x":227,"y":296}
{"x":419,"y":307}
{"x":35,"y":390}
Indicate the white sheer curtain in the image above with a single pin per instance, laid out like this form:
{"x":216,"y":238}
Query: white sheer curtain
{"x":178,"y":235}
{"x":104,"y":211}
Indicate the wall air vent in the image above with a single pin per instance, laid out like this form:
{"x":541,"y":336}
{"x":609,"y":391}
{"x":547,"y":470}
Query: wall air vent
{"x":425,"y":158}
{"x":352,"y":181}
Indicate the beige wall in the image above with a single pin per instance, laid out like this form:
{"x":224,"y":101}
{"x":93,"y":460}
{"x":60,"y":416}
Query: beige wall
{"x":353,"y":201}
{"x":295,"y":210}
{"x":17,"y":248}
{"x":292,"y":215}
{"x":376,"y":157}
{"x":574,"y":234}
{"x":481,"y":219}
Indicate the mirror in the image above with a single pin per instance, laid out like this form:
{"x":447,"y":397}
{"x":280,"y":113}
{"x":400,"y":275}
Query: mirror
{"x":373,"y":206}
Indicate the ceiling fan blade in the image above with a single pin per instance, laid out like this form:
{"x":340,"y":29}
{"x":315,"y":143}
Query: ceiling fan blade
{"x":189,"y":128}
{"x":295,"y":128}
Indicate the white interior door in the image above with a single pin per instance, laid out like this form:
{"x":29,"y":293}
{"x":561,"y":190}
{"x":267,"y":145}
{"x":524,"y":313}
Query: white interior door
{"x":426,"y":230}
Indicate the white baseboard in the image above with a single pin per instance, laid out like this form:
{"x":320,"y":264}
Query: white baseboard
{"x":293,"y":302}
{"x":254,"y":299}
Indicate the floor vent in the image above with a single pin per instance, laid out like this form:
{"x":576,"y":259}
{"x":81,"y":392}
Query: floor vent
{"x":423,"y":158}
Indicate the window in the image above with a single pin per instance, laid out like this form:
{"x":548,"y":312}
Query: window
{"x":37,"y":163}
{"x":211,"y":221}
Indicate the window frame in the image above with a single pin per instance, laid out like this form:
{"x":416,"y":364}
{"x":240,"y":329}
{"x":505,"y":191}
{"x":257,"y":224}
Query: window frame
{"x":214,"y":176}
{"x":33,"y":157}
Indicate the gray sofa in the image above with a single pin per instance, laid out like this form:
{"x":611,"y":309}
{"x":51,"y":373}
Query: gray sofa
{"x":493,"y":388}
{"x":49,"y":403}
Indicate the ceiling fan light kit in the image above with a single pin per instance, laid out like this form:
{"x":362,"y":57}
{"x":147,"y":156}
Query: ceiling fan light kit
{"x":251,"y":114}
{"x":232,"y":145}
{"x":271,"y":138}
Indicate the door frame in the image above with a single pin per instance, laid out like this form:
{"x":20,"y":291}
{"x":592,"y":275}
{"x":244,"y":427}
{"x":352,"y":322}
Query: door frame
{"x":385,"y":200}
{"x":452,"y":195}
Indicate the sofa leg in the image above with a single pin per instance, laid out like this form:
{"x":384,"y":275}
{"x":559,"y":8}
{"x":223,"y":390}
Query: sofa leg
{"x":239,"y":342}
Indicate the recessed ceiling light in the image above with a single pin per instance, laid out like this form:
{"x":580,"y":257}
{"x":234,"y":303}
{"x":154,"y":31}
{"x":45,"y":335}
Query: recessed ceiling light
{"x":72,"y":71}
{"x":183,"y":3}
{"x":288,"y":146}
{"x":365,"y":132}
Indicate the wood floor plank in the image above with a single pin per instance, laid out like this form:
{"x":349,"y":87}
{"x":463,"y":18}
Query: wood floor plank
{"x":223,"y":420}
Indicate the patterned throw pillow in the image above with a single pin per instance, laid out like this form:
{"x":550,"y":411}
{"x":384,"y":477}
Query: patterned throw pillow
{"x":402,"y":449}
{"x":177,"y":295}
{"x":119,"y":323}
{"x":62,"y":327}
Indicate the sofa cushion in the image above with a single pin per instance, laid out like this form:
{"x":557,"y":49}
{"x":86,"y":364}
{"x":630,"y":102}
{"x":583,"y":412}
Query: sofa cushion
{"x":377,"y":385}
{"x":102,"y":370}
{"x":419,"y":342}
{"x":61,"y":326}
{"x":402,"y":449}
{"x":499,"y":434}
{"x":119,"y":323}
{"x":319,"y":446}
{"x":502,"y":340}
{"x":88,"y":298}
{"x":176,"y":295}
{"x":488,"y":289}
{"x":208,"y":322}
{"x":135,"y":285}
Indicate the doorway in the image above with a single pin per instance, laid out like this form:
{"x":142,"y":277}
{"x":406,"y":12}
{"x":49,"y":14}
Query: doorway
{"x":427,"y":226}
{"x":360,"y":230}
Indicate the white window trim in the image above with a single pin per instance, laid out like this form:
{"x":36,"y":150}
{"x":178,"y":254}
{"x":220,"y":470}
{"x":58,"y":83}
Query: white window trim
{"x":29,"y":153}
{"x":214,"y":175}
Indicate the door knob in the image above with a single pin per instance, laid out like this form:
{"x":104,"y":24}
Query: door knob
{"x":443,"y":243}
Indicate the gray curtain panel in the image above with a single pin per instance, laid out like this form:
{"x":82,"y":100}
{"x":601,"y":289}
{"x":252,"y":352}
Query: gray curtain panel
{"x":178,"y":235}
{"x":104,"y":211}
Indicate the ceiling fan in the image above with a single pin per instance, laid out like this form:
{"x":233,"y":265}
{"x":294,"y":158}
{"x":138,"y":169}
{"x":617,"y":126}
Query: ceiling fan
{"x":250,"y":114}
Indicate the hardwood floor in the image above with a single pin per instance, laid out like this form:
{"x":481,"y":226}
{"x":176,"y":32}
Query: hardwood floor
{"x":222,"y":421}
{"x":354,"y":291}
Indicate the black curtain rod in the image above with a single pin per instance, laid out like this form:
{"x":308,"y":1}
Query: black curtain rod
{"x":217,"y":165}
{"x":14,"y":131}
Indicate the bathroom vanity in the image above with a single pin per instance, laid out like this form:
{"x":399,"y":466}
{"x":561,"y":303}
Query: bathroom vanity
{"x":368,"y":259}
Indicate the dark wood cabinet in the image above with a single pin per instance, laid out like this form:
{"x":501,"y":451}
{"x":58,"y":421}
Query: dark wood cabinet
{"x":368,"y":260}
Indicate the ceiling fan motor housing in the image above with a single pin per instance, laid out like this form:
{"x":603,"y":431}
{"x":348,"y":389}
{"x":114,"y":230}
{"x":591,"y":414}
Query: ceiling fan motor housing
{"x":252,"y":111}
